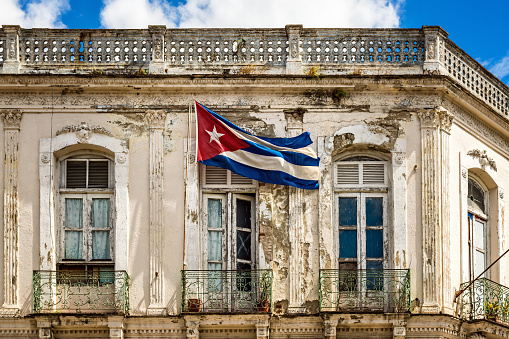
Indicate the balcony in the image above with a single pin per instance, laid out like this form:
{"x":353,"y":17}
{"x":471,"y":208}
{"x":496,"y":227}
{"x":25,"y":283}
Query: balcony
{"x":365,"y":291}
{"x":484,"y":299}
{"x":227,"y":291}
{"x":81,"y":292}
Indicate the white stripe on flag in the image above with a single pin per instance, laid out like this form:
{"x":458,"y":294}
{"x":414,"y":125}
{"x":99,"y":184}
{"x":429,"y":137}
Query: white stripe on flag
{"x":304,"y":150}
{"x":264,"y":162}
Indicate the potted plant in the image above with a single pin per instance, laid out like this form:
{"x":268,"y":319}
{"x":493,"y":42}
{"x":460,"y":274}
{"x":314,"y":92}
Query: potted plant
{"x":491,"y":310}
{"x":264,"y":292}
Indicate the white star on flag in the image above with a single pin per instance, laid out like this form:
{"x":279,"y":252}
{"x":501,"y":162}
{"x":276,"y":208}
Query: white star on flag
{"x":214,"y":135}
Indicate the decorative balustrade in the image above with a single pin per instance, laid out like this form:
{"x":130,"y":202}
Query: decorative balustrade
{"x":484,"y":299}
{"x":365,"y":291}
{"x":81,"y":292}
{"x":227,"y":291}
{"x":290,"y":50}
{"x":469,"y":73}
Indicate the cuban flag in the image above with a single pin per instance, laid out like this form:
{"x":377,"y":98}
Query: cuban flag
{"x":283,"y":161}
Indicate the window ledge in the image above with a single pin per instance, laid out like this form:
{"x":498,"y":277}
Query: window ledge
{"x":86,"y":190}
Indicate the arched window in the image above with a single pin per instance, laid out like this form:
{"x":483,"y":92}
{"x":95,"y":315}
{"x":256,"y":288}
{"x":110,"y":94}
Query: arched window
{"x":86,"y":218}
{"x":361,"y":186}
{"x":478,"y":228}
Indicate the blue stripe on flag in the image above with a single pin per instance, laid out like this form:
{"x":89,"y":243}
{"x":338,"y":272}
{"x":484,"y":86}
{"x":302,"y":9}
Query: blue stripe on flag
{"x":273,"y":177}
{"x":292,"y":157}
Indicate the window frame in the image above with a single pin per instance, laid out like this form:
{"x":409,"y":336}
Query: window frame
{"x":361,"y":191}
{"x":87,"y":263}
{"x":483,"y":217}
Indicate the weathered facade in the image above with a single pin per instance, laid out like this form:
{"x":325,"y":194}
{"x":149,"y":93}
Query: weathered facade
{"x":112,"y":230}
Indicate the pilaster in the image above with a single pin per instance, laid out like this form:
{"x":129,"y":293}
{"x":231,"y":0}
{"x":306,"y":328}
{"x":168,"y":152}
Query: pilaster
{"x":431,"y":246}
{"x":296,"y":302}
{"x":328,"y":259}
{"x":157,"y":64}
{"x":44,"y":326}
{"x":156,"y":120}
{"x":12,"y":62}
{"x":293,"y":61}
{"x":262,"y":330}
{"x":330,"y":326}
{"x":116,"y":326}
{"x":446,"y":120}
{"x":11,"y":121}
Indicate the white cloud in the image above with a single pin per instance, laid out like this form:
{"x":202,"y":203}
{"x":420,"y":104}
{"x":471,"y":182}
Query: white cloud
{"x":248,"y":13}
{"x":501,"y":68}
{"x":37,"y":13}
{"x":137,"y":13}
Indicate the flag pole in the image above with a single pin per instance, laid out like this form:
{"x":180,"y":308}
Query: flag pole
{"x":186,"y":179}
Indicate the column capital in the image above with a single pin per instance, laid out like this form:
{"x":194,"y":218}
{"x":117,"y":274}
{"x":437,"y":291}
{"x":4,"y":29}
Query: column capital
{"x":155,"y":118}
{"x":11,"y":118}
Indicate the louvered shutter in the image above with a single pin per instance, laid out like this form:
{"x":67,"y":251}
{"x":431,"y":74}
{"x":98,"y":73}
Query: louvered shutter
{"x":76,"y":174}
{"x":240,"y":180}
{"x":98,"y":174}
{"x":347,"y":174}
{"x":360,"y":173}
{"x":373,"y":173}
{"x":215,"y":176}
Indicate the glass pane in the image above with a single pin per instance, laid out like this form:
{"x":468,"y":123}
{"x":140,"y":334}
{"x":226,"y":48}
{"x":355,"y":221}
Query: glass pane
{"x":215,"y":246}
{"x":73,"y":245}
{"x":475,"y":196}
{"x":347,"y":211}
{"x":101,"y":245}
{"x":243,"y":245}
{"x":214,"y":209}
{"x":374,"y":211}
{"x":243,"y":213}
{"x":74,"y":213}
{"x":374,"y":275}
{"x":100,"y":212}
{"x":480,"y":262}
{"x":374,"y":244}
{"x":479,"y":236}
{"x":347,"y":244}
{"x":214,"y":266}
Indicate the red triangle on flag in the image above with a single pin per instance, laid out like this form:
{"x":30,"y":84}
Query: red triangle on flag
{"x":213,"y":136}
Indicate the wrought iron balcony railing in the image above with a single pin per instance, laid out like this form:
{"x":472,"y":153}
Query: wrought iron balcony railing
{"x":484,"y":299}
{"x":81,"y":292}
{"x":227,"y":291}
{"x":365,"y":291}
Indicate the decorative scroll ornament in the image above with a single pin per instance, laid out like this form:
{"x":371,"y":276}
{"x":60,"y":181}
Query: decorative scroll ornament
{"x":155,"y":118}
{"x":45,"y":158}
{"x":484,"y":160}
{"x":158,"y":48}
{"x":12,"y":48}
{"x":399,"y":157}
{"x":121,"y":158}
{"x":83,"y":131}
{"x":11,"y":118}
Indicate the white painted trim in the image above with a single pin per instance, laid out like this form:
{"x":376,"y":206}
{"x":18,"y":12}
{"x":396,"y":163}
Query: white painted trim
{"x":48,"y":180}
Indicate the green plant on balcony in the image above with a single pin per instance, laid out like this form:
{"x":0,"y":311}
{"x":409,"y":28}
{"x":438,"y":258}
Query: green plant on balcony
{"x":491,"y":310}
{"x":264,"y":292}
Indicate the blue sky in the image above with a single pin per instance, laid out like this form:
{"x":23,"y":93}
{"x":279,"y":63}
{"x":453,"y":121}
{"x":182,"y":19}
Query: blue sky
{"x":480,"y":29}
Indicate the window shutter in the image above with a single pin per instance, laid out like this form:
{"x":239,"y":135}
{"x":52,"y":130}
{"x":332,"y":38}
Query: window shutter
{"x":76,"y":174}
{"x":98,"y":174}
{"x":240,"y":180}
{"x":373,"y":174}
{"x":347,"y":174}
{"x":215,"y":176}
